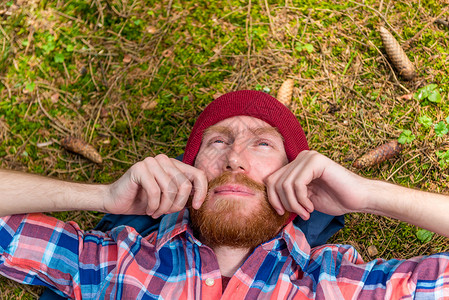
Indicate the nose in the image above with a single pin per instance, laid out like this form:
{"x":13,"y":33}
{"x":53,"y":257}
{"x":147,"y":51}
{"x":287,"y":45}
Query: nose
{"x":236,"y":159}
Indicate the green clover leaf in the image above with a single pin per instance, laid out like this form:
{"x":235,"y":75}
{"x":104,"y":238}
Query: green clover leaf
{"x":425,"y":92}
{"x":441,"y":129}
{"x":425,"y":121}
{"x":59,"y":58}
{"x":307,"y":47}
{"x":444,"y":158}
{"x":30,"y":86}
{"x":406,"y":137}
{"x":424,"y":235}
{"x":434,"y":96}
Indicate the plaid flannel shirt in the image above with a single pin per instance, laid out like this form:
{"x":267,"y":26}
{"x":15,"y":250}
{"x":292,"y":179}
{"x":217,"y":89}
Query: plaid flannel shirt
{"x":172,"y":264}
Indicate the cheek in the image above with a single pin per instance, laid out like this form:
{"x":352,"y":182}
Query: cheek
{"x":265,"y":168}
{"x":209,"y":166}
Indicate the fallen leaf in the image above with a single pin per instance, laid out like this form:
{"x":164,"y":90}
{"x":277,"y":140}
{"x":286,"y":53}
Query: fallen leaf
{"x":406,"y":97}
{"x":148,"y":105}
{"x":104,"y":113}
{"x":45,"y":144}
{"x":54,"y":98}
{"x":127,"y":58}
{"x":217,"y":94}
{"x":167,"y":53}
{"x":151,"y":29}
{"x":372,"y":251}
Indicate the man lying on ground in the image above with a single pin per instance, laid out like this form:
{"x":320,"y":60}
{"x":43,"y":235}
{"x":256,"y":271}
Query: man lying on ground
{"x":249,"y":173}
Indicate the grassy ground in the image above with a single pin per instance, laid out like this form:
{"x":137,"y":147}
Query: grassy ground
{"x":130,"y":77}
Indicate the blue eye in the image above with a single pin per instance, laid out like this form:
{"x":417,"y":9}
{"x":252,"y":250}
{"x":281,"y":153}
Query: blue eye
{"x":265,"y":144}
{"x":218,"y":142}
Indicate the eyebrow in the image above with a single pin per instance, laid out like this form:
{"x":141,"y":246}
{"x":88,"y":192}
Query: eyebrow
{"x":267,"y":131}
{"x":273,"y":131}
{"x":217,"y":129}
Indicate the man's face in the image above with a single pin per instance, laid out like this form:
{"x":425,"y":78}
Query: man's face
{"x":237,"y":154}
{"x":241,"y":144}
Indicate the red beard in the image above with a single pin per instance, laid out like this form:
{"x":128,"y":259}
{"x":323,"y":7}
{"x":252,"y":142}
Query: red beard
{"x":234,"y":222}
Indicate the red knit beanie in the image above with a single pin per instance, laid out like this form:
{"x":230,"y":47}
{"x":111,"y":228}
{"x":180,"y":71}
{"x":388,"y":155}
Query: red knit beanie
{"x":254,"y":104}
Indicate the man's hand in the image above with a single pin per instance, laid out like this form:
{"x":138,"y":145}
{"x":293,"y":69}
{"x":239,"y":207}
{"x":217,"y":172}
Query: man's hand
{"x":313,"y":181}
{"x":156,"y":186}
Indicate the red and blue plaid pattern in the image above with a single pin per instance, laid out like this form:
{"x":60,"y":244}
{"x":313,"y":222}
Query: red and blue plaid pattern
{"x":172,"y":264}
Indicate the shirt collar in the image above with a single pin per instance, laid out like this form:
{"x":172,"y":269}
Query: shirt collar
{"x":297,"y":244}
{"x":177,"y":223}
{"x":173,"y":225}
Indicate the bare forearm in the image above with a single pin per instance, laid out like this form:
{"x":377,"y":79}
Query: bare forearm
{"x":423,"y":209}
{"x":27,"y":193}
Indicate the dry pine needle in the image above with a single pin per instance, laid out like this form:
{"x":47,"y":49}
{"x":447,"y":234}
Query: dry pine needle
{"x":79,"y":146}
{"x":397,"y":55}
{"x":379,"y":154}
{"x":285,"y":92}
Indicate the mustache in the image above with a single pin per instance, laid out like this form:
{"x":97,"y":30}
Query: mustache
{"x":238,"y":178}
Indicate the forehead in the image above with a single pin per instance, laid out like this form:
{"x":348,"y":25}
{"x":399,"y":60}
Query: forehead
{"x":241,"y":124}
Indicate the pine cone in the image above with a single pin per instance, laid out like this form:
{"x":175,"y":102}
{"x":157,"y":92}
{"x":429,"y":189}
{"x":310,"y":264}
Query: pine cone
{"x":379,"y":154}
{"x":397,"y":55}
{"x":285,"y":92}
{"x":79,"y":146}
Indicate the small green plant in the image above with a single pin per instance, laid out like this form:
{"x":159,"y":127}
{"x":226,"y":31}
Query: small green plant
{"x":429,"y":92}
{"x":441,"y":129}
{"x":425,"y":121}
{"x":444,"y":158}
{"x":30,"y":86}
{"x":50,"y":44}
{"x":301,"y":47}
{"x":59,"y":58}
{"x":424,"y":235}
{"x":406,"y":137}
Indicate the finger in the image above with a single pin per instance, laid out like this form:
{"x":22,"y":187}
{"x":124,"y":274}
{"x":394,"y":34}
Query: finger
{"x":302,"y":192}
{"x":293,"y":190}
{"x":167,"y":181}
{"x":198,"y":179}
{"x":285,"y":190}
{"x":153,"y":193}
{"x":184,"y":180}
{"x":273,"y":197}
{"x":184,"y":187}
{"x":280,"y":190}
{"x":143,"y":176}
{"x":200,"y":186}
{"x":295,"y":203}
{"x":167,"y":187}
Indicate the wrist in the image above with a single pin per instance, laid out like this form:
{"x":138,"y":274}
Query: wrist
{"x":86,"y":197}
{"x":381,"y":198}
